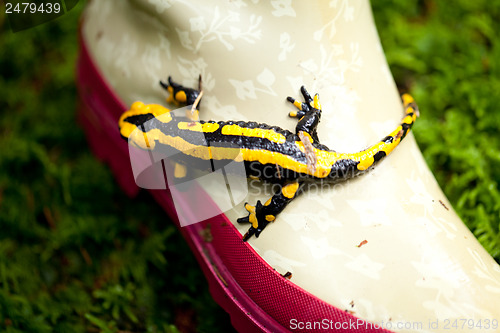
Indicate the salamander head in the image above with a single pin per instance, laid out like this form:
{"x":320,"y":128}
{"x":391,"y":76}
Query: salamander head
{"x":139,"y":114}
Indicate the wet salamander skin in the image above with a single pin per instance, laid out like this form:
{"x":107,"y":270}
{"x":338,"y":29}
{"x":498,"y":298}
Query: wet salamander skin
{"x":270,"y":153}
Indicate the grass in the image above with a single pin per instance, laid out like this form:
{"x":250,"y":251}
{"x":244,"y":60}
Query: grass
{"x":76,"y":255}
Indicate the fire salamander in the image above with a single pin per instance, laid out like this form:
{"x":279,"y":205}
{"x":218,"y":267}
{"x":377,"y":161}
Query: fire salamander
{"x":288,"y":159}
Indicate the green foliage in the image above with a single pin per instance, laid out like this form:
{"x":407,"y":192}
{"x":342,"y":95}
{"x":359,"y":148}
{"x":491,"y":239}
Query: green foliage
{"x":447,"y":54}
{"x":76,"y":255}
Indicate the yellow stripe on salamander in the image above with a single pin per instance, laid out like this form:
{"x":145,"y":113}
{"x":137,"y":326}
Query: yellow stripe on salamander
{"x":366,"y":157}
{"x":149,"y":139}
{"x":198,"y":127}
{"x":323,"y":167}
{"x":269,"y":134}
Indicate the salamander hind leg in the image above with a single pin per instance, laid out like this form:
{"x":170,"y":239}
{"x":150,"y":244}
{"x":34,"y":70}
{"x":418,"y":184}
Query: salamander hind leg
{"x":309,"y":113}
{"x":261,"y":215}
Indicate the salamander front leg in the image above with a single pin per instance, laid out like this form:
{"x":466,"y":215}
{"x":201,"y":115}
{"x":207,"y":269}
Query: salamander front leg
{"x":309,"y":113}
{"x":261,"y":215}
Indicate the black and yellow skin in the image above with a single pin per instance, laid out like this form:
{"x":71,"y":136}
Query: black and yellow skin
{"x":270,"y":153}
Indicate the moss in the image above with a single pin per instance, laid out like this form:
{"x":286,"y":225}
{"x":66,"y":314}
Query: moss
{"x":447,"y":56}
